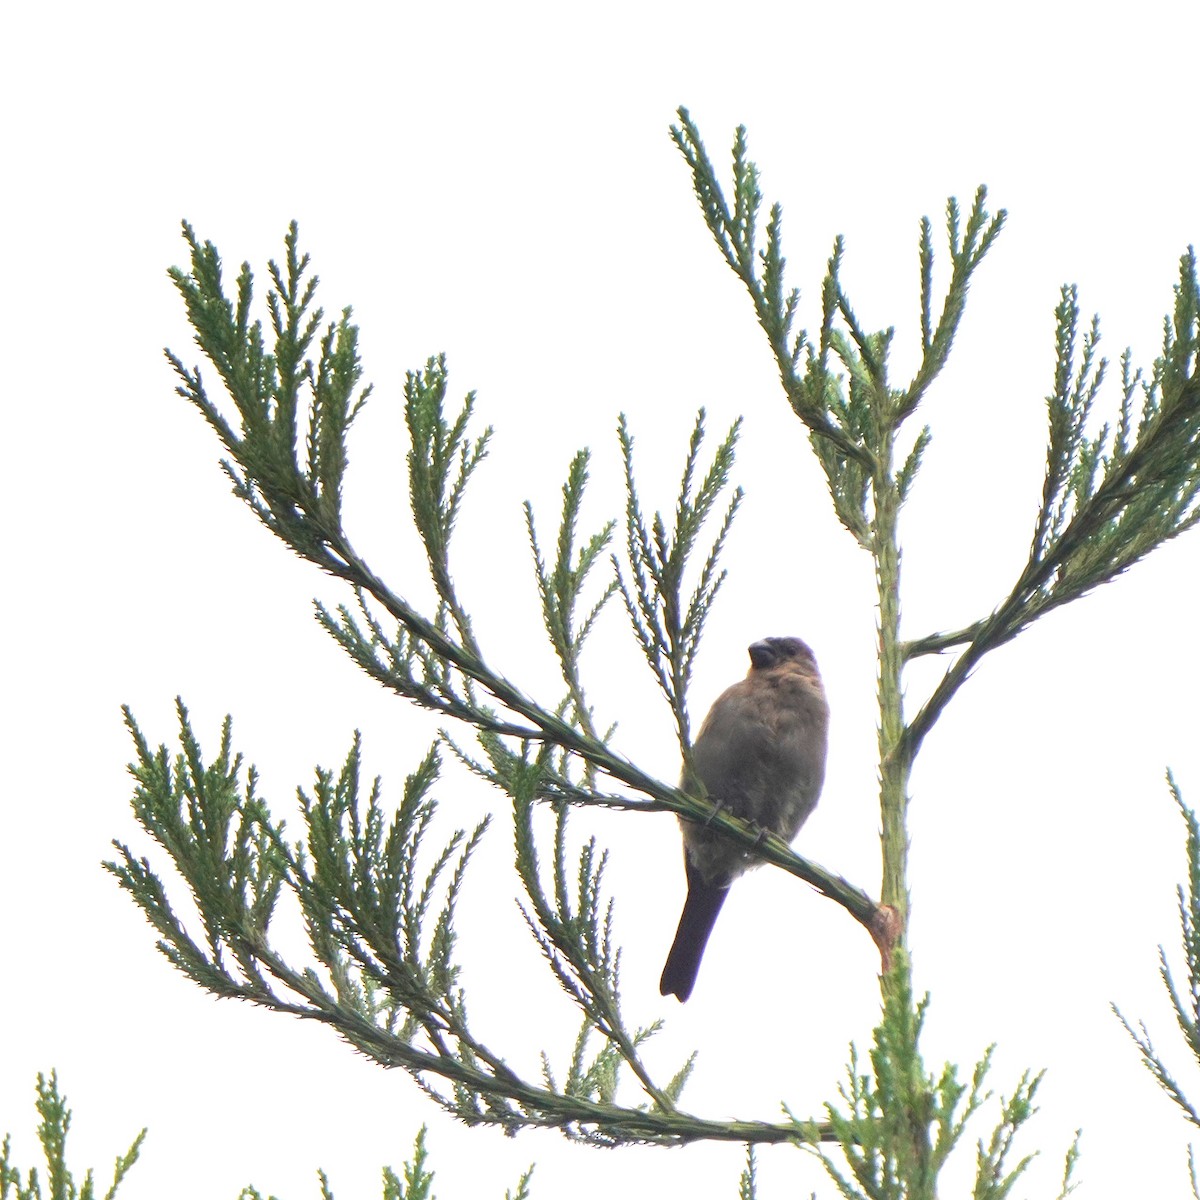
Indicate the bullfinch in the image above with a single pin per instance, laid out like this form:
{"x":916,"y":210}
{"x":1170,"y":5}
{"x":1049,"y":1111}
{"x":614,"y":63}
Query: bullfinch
{"x":760,"y":755}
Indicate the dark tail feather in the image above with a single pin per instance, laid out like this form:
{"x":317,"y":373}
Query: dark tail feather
{"x":695,"y":925}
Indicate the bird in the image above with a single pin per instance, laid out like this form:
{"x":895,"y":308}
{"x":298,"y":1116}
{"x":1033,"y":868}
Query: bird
{"x":760,"y":755}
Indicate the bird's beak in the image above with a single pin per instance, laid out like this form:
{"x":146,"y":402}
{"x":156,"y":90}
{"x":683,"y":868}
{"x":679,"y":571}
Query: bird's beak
{"x":762,"y":654}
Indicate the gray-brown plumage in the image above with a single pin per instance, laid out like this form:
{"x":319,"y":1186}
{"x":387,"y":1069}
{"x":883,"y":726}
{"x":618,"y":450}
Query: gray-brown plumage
{"x":760,"y":755}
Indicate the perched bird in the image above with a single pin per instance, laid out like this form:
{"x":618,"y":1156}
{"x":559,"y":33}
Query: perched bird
{"x":760,"y":755}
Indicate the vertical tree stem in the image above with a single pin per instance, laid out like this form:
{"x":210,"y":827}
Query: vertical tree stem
{"x":894,"y":758}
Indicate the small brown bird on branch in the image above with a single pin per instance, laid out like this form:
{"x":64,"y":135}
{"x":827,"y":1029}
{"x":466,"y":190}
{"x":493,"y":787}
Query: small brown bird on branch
{"x":760,"y":755}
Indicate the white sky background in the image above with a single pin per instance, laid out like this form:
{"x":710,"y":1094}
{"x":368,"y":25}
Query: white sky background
{"x":496,"y":181}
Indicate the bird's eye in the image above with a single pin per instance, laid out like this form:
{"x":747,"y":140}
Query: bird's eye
{"x":791,"y":647}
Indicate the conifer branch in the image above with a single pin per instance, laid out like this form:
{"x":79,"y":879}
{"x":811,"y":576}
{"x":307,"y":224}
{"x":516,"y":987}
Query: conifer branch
{"x":1107,"y":501}
{"x":1185,"y":1002}
{"x":735,"y":233}
{"x":966,"y":253}
{"x":1108,"y":498}
{"x":441,"y":460}
{"x":901,"y":1123}
{"x":436,"y":661}
{"x":379,"y":902}
{"x":667,"y":627}
{"x":748,"y":1182}
{"x":53,"y":1127}
{"x":853,"y":428}
{"x":561,"y":589}
{"x":576,"y":937}
{"x":850,"y":429}
{"x":379,"y":908}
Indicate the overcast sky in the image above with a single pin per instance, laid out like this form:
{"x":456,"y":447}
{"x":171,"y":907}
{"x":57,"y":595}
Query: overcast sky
{"x":497,"y":182}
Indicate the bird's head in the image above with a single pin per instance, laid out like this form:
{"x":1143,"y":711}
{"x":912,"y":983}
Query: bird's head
{"x":770,"y":652}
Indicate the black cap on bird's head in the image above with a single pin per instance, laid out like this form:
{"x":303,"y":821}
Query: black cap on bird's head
{"x":774,"y":650}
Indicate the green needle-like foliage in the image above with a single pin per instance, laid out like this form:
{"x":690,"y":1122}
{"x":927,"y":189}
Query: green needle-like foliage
{"x":206,"y":822}
{"x":441,"y":460}
{"x":850,"y":428}
{"x":748,"y":1183}
{"x":669,"y":628}
{"x":1109,"y":498}
{"x":901,"y":1124}
{"x":561,"y":589}
{"x":379,"y":892}
{"x":574,"y":929}
{"x":1185,"y":1001}
{"x":296,"y":494}
{"x":379,"y":896}
{"x":432,"y":658}
{"x":54,"y":1125}
{"x":414,"y":1182}
{"x":1112,"y":498}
